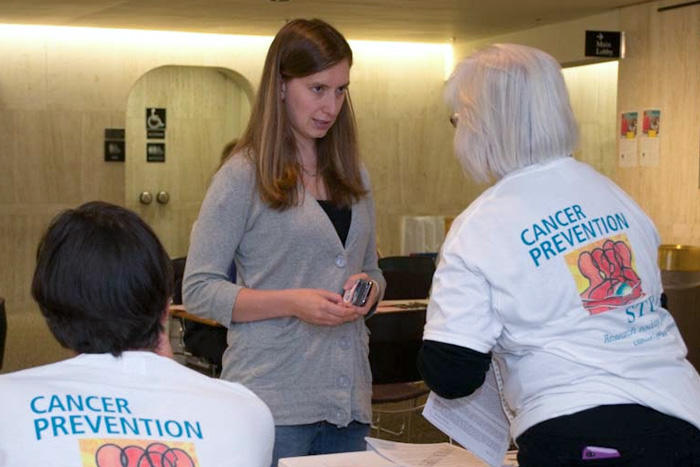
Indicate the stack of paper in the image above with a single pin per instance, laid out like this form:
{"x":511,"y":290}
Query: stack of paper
{"x":347,"y":459}
{"x":384,"y":453}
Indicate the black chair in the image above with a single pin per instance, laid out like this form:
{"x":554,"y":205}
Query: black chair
{"x":3,"y":330}
{"x":395,"y":338}
{"x":200,"y":345}
{"x":407,"y":277}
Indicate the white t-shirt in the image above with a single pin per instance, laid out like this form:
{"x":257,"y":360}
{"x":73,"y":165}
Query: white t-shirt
{"x":95,"y":409}
{"x":554,"y":270}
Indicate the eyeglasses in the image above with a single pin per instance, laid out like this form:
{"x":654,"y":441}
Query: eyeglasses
{"x":454,"y":118}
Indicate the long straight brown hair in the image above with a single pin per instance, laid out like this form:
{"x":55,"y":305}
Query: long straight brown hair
{"x":301,"y":48}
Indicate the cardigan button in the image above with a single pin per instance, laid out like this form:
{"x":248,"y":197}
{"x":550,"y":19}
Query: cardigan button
{"x":340,"y":261}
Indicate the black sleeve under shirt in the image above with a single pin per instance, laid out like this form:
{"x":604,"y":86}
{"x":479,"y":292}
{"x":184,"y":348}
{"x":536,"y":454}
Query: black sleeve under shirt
{"x":452,"y":371}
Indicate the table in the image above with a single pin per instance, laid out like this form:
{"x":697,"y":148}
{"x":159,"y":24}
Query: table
{"x":398,"y":306}
{"x":179,"y":311}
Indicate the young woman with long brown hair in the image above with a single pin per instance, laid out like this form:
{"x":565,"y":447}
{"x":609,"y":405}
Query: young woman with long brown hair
{"x":292,"y":207}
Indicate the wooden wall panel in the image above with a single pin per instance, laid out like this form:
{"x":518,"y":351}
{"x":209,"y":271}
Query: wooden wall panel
{"x":593,"y":94}
{"x":59,"y":90}
{"x":662,"y":70}
{"x":99,"y":179}
{"x":202,"y":116}
{"x":564,"y":40}
{"x":406,"y":138}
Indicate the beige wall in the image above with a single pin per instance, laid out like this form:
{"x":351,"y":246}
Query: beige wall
{"x":662,"y":70}
{"x":60,"y":88}
{"x":564,"y":41}
{"x":593,"y":93}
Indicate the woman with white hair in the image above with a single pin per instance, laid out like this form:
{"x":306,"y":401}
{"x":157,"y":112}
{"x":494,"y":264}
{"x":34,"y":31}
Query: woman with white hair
{"x":552,"y":273}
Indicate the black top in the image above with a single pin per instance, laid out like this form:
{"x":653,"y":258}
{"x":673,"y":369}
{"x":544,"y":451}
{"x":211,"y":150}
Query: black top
{"x":339,"y":216}
{"x":452,"y":371}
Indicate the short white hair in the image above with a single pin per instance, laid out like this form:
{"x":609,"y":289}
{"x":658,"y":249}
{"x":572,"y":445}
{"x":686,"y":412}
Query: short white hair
{"x":513,"y":110}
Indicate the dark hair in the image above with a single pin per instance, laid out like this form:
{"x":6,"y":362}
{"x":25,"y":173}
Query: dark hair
{"x":301,"y":48}
{"x":102,"y":280}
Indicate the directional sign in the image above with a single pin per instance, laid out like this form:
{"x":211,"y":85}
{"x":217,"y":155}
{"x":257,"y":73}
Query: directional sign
{"x":605,"y":44}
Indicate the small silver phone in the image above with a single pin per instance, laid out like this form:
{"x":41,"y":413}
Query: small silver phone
{"x":358,"y":293}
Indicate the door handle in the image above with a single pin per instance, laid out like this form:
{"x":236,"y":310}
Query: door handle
{"x":145,"y":197}
{"x":163,"y":197}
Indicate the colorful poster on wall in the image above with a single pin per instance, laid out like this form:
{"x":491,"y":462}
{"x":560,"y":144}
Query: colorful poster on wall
{"x":649,"y":140}
{"x":628,"y":141}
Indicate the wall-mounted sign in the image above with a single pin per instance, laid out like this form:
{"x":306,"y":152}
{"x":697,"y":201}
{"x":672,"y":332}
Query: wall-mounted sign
{"x":114,"y":145}
{"x":605,"y":44}
{"x":155,"y":152}
{"x":155,"y":123}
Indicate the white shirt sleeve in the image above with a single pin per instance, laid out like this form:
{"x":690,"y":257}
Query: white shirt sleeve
{"x":460,"y":310}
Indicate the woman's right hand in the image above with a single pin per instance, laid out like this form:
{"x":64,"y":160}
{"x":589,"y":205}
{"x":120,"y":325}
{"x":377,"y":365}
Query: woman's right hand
{"x":320,"y":307}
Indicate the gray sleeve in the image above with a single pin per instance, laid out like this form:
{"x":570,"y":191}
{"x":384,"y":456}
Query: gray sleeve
{"x":220,"y":226}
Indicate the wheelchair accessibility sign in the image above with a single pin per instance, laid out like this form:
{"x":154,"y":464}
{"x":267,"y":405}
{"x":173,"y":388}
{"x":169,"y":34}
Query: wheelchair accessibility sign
{"x":155,"y":123}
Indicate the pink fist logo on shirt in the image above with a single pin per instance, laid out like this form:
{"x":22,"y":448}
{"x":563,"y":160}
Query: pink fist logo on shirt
{"x":153,"y":455}
{"x":606,"y":275}
{"x":97,"y":452}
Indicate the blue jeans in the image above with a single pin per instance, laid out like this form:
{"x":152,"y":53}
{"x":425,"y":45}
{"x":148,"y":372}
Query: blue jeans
{"x":318,"y":438}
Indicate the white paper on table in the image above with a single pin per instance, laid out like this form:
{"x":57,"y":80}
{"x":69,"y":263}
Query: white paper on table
{"x":346,"y":459}
{"x":382,"y":453}
{"x":425,"y":455}
{"x":476,"y":422}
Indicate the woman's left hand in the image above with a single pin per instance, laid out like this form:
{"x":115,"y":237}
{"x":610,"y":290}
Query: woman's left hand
{"x":373,"y":293}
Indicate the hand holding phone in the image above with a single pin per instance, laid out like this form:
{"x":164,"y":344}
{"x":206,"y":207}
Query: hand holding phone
{"x":358,"y":294}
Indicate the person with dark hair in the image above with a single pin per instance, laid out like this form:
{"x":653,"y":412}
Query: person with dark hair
{"x":552,"y":273}
{"x":103,"y":282}
{"x":292,"y":206}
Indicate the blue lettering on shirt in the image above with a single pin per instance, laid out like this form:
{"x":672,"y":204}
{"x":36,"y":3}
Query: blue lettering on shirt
{"x":71,"y":415}
{"x":565,"y":230}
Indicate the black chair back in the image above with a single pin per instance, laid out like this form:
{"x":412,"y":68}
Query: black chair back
{"x":3,"y":330}
{"x":178,"y":273}
{"x":407,"y":277}
{"x":394,"y":341}
{"x":201,"y":340}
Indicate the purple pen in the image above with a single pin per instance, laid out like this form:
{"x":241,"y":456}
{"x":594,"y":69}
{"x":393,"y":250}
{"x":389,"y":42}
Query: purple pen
{"x":595,"y":452}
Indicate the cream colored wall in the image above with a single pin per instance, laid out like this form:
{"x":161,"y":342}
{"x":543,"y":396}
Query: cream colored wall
{"x":564,"y":41}
{"x":60,"y":88}
{"x":593,"y":93}
{"x":406,"y":137}
{"x":662,"y":70}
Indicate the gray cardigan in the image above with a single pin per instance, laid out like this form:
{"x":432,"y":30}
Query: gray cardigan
{"x":305,"y":373}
